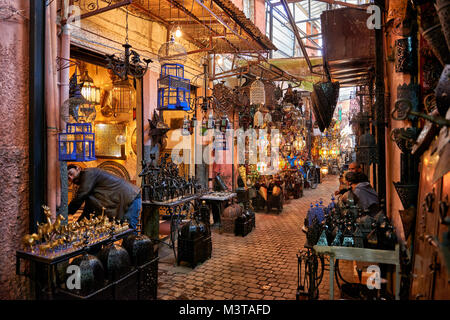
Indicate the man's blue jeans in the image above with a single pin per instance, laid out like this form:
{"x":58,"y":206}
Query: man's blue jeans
{"x":132,"y":215}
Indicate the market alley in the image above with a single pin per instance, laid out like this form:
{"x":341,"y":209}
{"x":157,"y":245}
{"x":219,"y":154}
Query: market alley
{"x":262,"y":265}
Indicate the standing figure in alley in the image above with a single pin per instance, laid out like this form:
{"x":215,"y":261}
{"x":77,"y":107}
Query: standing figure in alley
{"x":99,"y":189}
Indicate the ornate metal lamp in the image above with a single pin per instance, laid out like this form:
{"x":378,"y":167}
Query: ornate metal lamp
{"x":366,"y":151}
{"x":129,"y":63}
{"x":90,"y":91}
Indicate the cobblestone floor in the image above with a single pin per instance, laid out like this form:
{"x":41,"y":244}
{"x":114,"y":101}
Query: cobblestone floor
{"x":262,"y":265}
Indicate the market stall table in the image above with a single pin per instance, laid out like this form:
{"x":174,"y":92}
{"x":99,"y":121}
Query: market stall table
{"x":217,"y":202}
{"x":363,"y":255}
{"x":151,"y":219}
{"x":49,"y":262}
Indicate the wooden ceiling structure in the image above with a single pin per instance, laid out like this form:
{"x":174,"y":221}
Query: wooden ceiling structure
{"x":212,"y":25}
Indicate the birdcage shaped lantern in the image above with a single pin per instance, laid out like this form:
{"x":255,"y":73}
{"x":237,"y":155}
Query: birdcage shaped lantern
{"x":77,"y":144}
{"x":123,"y":96}
{"x":173,"y":88}
{"x":174,"y":91}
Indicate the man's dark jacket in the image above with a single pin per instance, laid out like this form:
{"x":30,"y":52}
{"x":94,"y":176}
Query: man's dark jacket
{"x":100,"y":189}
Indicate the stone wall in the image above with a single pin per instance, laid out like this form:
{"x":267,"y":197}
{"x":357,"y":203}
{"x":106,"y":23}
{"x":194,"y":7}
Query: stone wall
{"x":14,"y":144}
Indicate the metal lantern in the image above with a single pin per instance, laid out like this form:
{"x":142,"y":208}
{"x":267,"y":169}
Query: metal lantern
{"x":366,"y":151}
{"x":123,"y":96}
{"x":257,"y":92}
{"x":172,"y":52}
{"x":186,"y":127}
{"x":211,"y":122}
{"x":89,"y":91}
{"x":77,"y":108}
{"x":77,"y":143}
{"x":129,"y":62}
{"x":174,"y":91}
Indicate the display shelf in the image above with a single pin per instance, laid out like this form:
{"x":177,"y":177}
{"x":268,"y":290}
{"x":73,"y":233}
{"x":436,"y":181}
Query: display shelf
{"x":47,"y":288}
{"x":66,"y":255}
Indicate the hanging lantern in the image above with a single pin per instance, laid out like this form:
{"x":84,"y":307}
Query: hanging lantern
{"x":257,"y":92}
{"x":123,"y":96}
{"x":186,"y":127}
{"x":287,"y":148}
{"x":173,"y":89}
{"x":77,"y":143}
{"x":324,"y":170}
{"x":211,"y":122}
{"x":366,"y":151}
{"x":89,"y":91}
{"x":224,"y":123}
{"x":77,"y":108}
{"x":261,"y":167}
{"x":283,"y":163}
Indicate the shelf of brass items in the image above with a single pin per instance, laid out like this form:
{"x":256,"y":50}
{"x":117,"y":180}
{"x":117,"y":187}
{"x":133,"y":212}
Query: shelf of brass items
{"x":403,"y":112}
{"x":66,"y":254}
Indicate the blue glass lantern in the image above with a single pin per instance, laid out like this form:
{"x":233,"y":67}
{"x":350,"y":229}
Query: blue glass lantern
{"x":77,"y":143}
{"x":174,"y":91}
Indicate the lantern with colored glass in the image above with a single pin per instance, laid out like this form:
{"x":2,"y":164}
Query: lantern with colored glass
{"x":281,"y":164}
{"x":287,"y":148}
{"x":324,"y":170}
{"x":261,"y":167}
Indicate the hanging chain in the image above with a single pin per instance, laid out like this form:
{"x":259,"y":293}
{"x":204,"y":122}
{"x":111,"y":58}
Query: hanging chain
{"x":126,"y":28}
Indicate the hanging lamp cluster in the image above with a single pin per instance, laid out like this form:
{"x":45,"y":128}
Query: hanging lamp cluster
{"x":129,"y":63}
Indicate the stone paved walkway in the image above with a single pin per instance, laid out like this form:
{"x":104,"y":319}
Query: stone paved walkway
{"x":262,"y":265}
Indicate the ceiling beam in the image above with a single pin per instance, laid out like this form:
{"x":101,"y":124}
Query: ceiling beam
{"x":341,"y":3}
{"x":296,"y":33}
